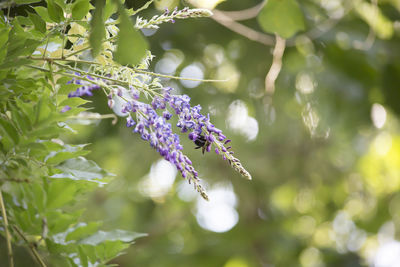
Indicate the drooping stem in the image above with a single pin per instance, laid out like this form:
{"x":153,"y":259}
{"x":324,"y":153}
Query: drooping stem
{"x":31,"y":247}
{"x":276,"y":66}
{"x":16,"y":180}
{"x":7,"y":232}
{"x":130,"y":69}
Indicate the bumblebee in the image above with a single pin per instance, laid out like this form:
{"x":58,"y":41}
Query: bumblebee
{"x":201,"y":142}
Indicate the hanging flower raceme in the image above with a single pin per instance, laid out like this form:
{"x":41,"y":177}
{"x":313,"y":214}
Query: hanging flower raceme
{"x":150,"y":120}
{"x":86,"y":88}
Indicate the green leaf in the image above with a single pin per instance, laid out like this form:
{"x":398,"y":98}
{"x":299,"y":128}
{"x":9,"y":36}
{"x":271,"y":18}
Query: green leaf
{"x":8,"y":129}
{"x":82,"y":230}
{"x":60,"y":193}
{"x":43,"y":109}
{"x":58,"y":221}
{"x":69,"y":151}
{"x":82,"y":256}
{"x":3,"y":36}
{"x":98,"y":31}
{"x":115,"y":235}
{"x":131,"y":45}
{"x":283,"y":17}
{"x":39,"y":23}
{"x":43,"y":13}
{"x":3,"y":40}
{"x":80,"y":9}
{"x":66,"y":88}
{"x":47,"y":131}
{"x":38,"y":196}
{"x":56,"y":13}
{"x":20,"y":119}
{"x":74,"y":101}
{"x":109,"y":9}
{"x":61,"y":3}
{"x":26,"y":108}
{"x":81,"y":169}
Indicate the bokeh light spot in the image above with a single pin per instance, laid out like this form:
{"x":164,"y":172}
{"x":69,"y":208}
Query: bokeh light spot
{"x":219,"y":214}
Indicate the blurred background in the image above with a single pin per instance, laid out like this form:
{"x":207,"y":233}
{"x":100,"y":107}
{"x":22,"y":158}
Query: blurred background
{"x":323,"y":147}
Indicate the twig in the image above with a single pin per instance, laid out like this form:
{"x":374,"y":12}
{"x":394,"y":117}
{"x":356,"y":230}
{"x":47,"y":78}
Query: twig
{"x":131,"y":69}
{"x":17,"y":180}
{"x":244,"y":14}
{"x":88,"y":47}
{"x":276,"y":65}
{"x":95,"y":116}
{"x":31,"y":247}
{"x":145,"y":6}
{"x":8,"y":236}
{"x":229,"y":18}
{"x":247,"y":32}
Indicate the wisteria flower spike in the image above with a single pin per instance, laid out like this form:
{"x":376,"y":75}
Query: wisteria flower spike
{"x":148,"y":107}
{"x":150,"y":121}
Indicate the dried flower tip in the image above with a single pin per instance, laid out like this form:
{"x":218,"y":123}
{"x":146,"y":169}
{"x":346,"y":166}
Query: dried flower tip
{"x":197,"y":12}
{"x":111,"y":103}
{"x":237,"y":166}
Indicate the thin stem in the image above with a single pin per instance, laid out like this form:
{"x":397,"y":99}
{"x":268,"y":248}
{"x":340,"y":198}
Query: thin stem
{"x":130,"y":69}
{"x":175,"y":77}
{"x":95,"y":116}
{"x":244,"y":14}
{"x":63,"y":42}
{"x":145,"y":6}
{"x":90,"y":74}
{"x":31,"y":247}
{"x":50,"y":63}
{"x":37,"y":68}
{"x":276,"y":66}
{"x":8,"y":236}
{"x":45,"y":48}
{"x":241,"y":29}
{"x":16,"y":180}
{"x":88,"y":47}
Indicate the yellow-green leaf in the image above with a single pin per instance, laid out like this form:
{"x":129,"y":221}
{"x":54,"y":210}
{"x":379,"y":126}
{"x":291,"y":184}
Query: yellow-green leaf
{"x":283,"y":17}
{"x":79,"y":9}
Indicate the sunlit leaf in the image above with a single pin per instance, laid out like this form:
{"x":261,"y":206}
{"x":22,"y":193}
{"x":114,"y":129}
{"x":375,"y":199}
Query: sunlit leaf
{"x":60,"y":193}
{"x":3,"y":39}
{"x":81,"y":169}
{"x":68,"y":152}
{"x":115,"y":235}
{"x":55,"y":11}
{"x":82,"y":230}
{"x":7,"y":129}
{"x":283,"y":17}
{"x":109,"y":9}
{"x":43,"y":13}
{"x":80,"y":8}
{"x":40,"y":25}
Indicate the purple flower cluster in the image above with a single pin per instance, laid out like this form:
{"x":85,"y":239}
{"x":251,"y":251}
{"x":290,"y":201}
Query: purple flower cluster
{"x":191,"y":120}
{"x":150,"y":121}
{"x":86,"y":88}
{"x":158,"y":132}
